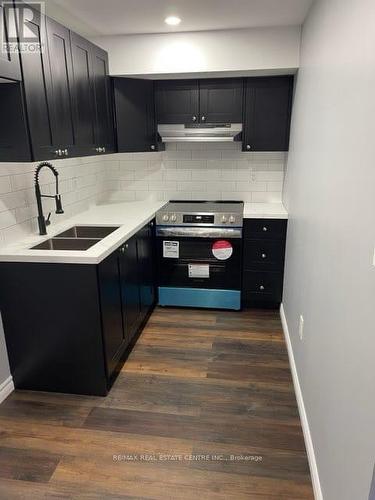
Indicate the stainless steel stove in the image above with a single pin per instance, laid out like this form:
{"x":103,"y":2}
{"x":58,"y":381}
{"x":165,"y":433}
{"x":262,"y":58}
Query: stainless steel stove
{"x":199,"y":253}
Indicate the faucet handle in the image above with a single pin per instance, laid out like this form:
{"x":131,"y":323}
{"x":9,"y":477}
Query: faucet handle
{"x":48,"y":222}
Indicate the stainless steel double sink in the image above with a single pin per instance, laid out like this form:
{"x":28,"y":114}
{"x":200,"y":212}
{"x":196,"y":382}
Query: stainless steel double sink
{"x":76,"y":238}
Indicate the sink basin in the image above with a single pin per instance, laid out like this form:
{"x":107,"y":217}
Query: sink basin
{"x":97,"y":232}
{"x":66,"y":244}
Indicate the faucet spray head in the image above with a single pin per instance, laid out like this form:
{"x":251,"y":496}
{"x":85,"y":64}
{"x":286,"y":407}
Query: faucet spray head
{"x":59,"y":208}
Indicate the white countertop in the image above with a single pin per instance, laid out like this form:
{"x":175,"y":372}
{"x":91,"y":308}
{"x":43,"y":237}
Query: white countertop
{"x":264,"y":211}
{"x":130,"y":216}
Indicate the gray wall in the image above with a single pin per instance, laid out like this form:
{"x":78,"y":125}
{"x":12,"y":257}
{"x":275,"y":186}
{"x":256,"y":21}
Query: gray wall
{"x":4,"y":365}
{"x":330,"y":277}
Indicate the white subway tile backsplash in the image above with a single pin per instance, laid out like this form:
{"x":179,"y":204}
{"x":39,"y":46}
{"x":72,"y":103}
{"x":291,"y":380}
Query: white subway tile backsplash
{"x":183,"y":171}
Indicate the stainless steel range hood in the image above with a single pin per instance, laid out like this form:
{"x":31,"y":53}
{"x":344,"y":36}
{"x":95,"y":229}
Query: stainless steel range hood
{"x":223,"y":132}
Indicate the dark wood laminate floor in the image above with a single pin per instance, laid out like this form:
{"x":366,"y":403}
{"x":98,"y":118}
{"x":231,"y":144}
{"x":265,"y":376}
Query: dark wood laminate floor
{"x":203,"y":408}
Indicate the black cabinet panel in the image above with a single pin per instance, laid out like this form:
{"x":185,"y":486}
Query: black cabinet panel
{"x":146,"y":263}
{"x":14,"y":141}
{"x":262,"y":286}
{"x":83,"y":95}
{"x":265,"y":228}
{"x":114,"y":338}
{"x":263,"y":261}
{"x":104,"y":133}
{"x":135,"y":115}
{"x":60,"y":99}
{"x":221,"y":100}
{"x":177,"y":101}
{"x":9,"y":60}
{"x":129,"y":272}
{"x":263,"y":254}
{"x":38,"y":95}
{"x":54,"y":338}
{"x":267,"y":113}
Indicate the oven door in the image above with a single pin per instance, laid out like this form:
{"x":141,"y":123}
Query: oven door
{"x":199,"y":257}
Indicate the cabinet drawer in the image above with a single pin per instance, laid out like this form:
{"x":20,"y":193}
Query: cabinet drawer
{"x":262,"y":285}
{"x":265,"y":228}
{"x":263,"y":254}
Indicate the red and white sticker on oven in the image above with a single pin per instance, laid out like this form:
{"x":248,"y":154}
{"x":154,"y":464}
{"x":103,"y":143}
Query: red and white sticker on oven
{"x":222,"y":249}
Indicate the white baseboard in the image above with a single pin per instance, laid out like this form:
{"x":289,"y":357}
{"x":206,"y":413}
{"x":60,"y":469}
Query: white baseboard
{"x":6,"y":388}
{"x":302,"y":411}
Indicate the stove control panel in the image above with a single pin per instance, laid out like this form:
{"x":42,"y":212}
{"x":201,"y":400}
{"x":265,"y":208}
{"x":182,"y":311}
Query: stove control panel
{"x":198,"y":219}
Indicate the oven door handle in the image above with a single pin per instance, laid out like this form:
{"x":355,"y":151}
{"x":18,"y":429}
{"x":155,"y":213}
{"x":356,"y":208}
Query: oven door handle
{"x":199,"y":232}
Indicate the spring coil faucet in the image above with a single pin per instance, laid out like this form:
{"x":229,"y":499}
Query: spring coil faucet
{"x":42,"y":221}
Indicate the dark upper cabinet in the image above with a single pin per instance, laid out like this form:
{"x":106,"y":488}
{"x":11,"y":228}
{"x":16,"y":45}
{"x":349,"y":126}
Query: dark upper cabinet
{"x":83,"y":95}
{"x":59,"y":99}
{"x":135,"y":115}
{"x":104,"y":133}
{"x":14,"y":141}
{"x":67,"y":94}
{"x":177,"y":101}
{"x":220,"y":100}
{"x":9,"y":60}
{"x":38,"y":94}
{"x":268,"y":102}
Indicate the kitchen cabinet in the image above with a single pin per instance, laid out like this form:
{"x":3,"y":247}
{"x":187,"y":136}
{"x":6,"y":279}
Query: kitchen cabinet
{"x":67,"y":99}
{"x":130,"y":284}
{"x":9,"y":60}
{"x":83,"y":95}
{"x":14,"y":140}
{"x":220,"y":100}
{"x":69,"y":327}
{"x":267,"y":111}
{"x":177,"y":101}
{"x":216,"y":100}
{"x":263,"y":262}
{"x":135,"y":115}
{"x":104,"y":132}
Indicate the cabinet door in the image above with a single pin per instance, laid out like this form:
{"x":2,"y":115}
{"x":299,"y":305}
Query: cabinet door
{"x":9,"y":61}
{"x":83,"y":95}
{"x":38,"y":92}
{"x":104,"y":133}
{"x":177,"y":101}
{"x":60,"y":102}
{"x":146,"y":263}
{"x":268,"y":103}
{"x":130,"y":287}
{"x":221,"y":100}
{"x":14,"y":142}
{"x":135,"y":115}
{"x":114,"y":338}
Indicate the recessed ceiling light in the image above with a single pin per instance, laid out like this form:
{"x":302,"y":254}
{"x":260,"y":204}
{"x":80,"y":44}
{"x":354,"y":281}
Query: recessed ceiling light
{"x":172,"y":20}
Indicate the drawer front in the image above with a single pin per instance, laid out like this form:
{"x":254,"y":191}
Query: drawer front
{"x":262,"y":285}
{"x":265,"y":228}
{"x":264,"y":254}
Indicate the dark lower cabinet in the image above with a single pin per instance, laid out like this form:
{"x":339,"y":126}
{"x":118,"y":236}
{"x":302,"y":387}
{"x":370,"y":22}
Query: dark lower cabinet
{"x":135,"y":115}
{"x":130,"y":284}
{"x":69,"y":327}
{"x":267,"y":112}
{"x":263,"y":262}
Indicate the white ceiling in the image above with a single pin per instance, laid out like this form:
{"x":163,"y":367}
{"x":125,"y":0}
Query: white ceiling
{"x":115,"y":17}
